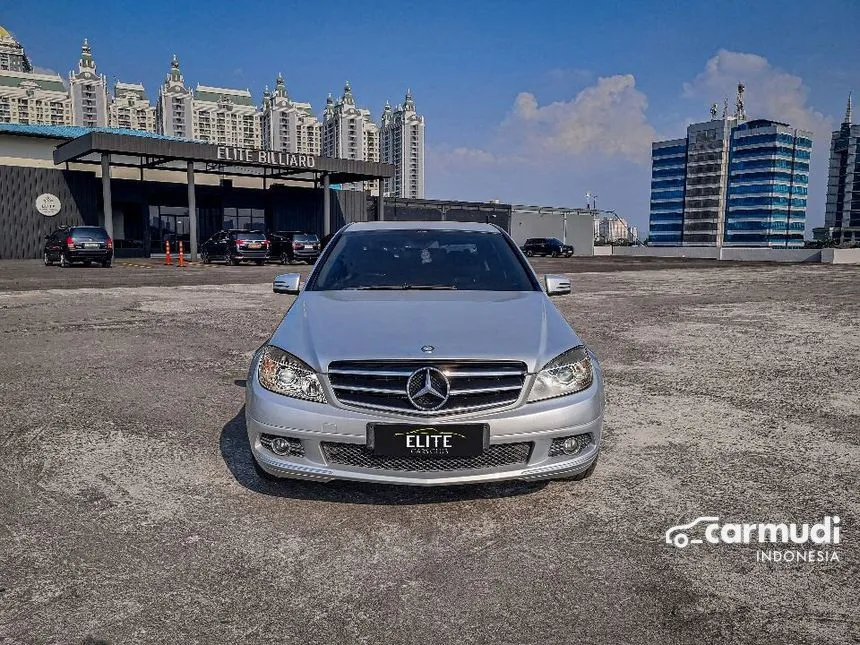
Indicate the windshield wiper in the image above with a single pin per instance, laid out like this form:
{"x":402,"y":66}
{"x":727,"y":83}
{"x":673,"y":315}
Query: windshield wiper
{"x":404,"y":287}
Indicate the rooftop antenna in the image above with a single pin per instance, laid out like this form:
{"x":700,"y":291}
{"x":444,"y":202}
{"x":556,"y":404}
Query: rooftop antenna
{"x":726,"y":108}
{"x":740,"y":113}
{"x":713,"y":112}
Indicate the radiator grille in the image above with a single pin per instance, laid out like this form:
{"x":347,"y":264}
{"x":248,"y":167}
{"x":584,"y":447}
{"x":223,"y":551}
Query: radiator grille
{"x":472,"y":385}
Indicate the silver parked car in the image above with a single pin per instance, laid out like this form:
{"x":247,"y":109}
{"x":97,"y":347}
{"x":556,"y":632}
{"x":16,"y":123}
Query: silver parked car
{"x":424,"y":353}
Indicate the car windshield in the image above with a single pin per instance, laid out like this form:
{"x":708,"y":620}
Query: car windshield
{"x":302,"y":237}
{"x":249,"y":235}
{"x":95,"y":234}
{"x":555,"y":240}
{"x":422,"y":259}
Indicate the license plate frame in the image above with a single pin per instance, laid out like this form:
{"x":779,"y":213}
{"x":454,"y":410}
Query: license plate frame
{"x":91,"y":245}
{"x":465,"y":439}
{"x":255,"y":246}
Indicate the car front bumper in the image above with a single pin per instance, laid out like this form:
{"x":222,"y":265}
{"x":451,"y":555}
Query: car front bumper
{"x":317,"y":425}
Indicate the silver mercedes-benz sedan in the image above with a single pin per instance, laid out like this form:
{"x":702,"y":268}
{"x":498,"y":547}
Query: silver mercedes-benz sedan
{"x":424,"y":353}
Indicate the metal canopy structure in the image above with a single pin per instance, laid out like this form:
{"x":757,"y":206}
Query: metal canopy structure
{"x":175,"y":154}
{"x":113,"y":149}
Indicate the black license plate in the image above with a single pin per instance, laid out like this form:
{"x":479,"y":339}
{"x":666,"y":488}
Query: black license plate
{"x":411,"y":440}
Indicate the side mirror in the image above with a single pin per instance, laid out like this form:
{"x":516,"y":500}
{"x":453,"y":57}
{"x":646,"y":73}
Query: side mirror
{"x":557,"y":285}
{"x":287,"y":283}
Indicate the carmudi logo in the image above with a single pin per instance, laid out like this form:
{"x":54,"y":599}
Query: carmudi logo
{"x":780,"y":542}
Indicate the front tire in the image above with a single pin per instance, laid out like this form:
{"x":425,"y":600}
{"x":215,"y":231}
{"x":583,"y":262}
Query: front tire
{"x":585,"y":474}
{"x":204,"y":257}
{"x":230,"y":261}
{"x":530,"y":254}
{"x":64,"y":261}
{"x":48,"y":261}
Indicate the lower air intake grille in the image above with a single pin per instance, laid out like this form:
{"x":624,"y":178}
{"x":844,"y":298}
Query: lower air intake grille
{"x":358,"y":456}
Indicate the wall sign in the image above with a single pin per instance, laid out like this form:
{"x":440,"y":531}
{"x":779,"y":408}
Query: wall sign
{"x":48,"y":204}
{"x":266,"y":157}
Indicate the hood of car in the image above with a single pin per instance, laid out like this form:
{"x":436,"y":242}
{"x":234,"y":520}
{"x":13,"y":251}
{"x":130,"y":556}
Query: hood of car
{"x":326,"y":326}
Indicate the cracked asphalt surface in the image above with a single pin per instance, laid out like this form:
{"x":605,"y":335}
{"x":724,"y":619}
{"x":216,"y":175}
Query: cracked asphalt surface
{"x":130,"y":512}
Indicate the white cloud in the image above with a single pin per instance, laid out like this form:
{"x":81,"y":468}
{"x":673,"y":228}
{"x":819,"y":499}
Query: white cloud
{"x":607,"y":118}
{"x":770,"y":92}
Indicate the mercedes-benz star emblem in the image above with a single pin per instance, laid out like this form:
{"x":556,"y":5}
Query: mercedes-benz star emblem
{"x":428,"y":349}
{"x":428,"y":389}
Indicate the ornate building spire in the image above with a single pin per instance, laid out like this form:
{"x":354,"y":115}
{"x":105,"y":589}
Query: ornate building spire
{"x":347,"y":95}
{"x":175,"y":72}
{"x":409,"y":103}
{"x":280,"y":88}
{"x":86,"y":62}
{"x":847,"y":120}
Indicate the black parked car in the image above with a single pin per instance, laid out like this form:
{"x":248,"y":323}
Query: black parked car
{"x":289,"y":246}
{"x":234,"y":246}
{"x":547,"y":246}
{"x":87,"y":244}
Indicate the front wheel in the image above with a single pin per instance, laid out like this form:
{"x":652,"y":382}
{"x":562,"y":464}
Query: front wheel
{"x":64,"y":261}
{"x":529,"y":254}
{"x":48,"y":261}
{"x":106,"y":264}
{"x":230,"y":261}
{"x":204,"y":257}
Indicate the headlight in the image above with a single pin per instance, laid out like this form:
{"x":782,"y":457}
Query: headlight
{"x":285,"y":374}
{"x":565,"y":374}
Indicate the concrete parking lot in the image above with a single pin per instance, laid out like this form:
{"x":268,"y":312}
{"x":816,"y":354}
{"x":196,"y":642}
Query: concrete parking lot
{"x":130,"y":512}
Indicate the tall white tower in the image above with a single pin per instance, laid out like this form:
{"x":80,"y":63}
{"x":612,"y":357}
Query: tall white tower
{"x":175,"y":104}
{"x":289,"y":126}
{"x":344,"y":128}
{"x":88,"y":92}
{"x":402,"y":145}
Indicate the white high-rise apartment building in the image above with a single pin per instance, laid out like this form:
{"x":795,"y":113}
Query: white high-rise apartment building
{"x":26,"y":97}
{"x":289,"y":126}
{"x":88,"y":92}
{"x":226,"y":117}
{"x":130,"y":108}
{"x":34,"y":99}
{"x":174,"y":107}
{"x":344,"y":127}
{"x":402,"y":145}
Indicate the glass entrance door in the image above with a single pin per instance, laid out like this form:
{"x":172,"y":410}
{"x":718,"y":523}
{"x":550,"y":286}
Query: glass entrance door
{"x":169,"y":224}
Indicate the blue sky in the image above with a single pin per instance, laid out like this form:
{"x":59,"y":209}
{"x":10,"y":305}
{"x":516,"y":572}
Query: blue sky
{"x":526,"y":102}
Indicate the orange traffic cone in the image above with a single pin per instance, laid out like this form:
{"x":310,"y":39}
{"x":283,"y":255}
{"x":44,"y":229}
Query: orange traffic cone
{"x":181,"y":255}
{"x":167,"y":259}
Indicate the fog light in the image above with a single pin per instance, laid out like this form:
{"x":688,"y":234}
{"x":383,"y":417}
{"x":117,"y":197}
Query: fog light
{"x":571,"y":446}
{"x":280,"y":446}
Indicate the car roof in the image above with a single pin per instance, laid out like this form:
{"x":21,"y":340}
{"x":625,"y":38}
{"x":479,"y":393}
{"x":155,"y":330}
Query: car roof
{"x":423,"y":226}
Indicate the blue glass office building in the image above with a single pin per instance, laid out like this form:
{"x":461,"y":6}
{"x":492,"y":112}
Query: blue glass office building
{"x":768,"y":185}
{"x":668,"y":176}
{"x":731,"y":184}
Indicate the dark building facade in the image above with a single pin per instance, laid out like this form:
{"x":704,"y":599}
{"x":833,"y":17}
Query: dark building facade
{"x":842,"y":215}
